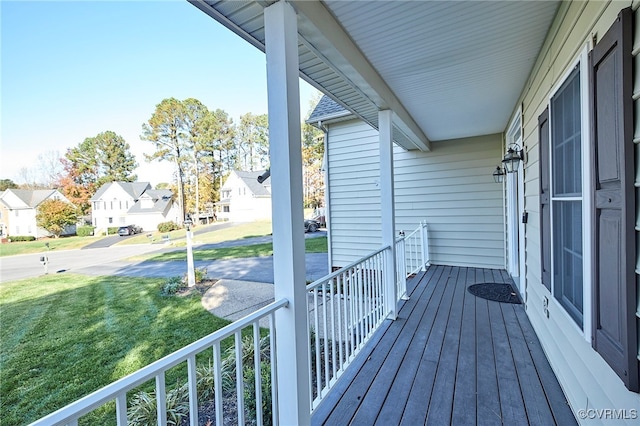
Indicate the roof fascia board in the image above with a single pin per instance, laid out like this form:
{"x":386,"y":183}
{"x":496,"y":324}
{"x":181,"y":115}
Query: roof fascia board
{"x":321,"y":30}
{"x":212,"y":12}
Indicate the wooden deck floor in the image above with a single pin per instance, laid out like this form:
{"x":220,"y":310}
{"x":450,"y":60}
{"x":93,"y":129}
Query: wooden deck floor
{"x":450,"y":358}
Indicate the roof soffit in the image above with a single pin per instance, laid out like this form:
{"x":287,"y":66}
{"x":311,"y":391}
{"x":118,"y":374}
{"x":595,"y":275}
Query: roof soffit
{"x":447,"y":69}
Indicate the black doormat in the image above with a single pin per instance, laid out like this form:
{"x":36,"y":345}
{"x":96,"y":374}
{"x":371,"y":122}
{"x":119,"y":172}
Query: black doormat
{"x":498,"y":292}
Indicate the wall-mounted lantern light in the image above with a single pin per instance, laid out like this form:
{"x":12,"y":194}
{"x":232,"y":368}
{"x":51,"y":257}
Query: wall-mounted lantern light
{"x":498,"y":175}
{"x":512,"y":158}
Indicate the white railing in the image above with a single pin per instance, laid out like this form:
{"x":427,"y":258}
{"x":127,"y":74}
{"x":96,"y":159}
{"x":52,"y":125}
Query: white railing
{"x":345,"y":308}
{"x":412,"y":255}
{"x":215,"y":377}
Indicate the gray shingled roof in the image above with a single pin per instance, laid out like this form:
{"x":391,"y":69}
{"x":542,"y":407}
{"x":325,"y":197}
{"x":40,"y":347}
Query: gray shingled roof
{"x":326,"y":108}
{"x":32,"y":198}
{"x":251,"y":180}
{"x":162,"y":201}
{"x":135,"y":189}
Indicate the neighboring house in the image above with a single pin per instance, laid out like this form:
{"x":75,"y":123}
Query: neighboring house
{"x":118,"y":204}
{"x":18,"y":210}
{"x":458,"y":87}
{"x":243,"y":198}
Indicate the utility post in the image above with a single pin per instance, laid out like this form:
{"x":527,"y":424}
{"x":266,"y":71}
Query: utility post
{"x":191,"y":274}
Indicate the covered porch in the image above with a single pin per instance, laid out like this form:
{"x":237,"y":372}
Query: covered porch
{"x":449,"y":358}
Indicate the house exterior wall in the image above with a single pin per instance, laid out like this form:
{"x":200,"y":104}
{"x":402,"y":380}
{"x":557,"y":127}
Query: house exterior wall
{"x":20,"y":218}
{"x":111,"y":210}
{"x":243,"y":205}
{"x":450,"y":187}
{"x":149,"y":221}
{"x":4,"y":220}
{"x":586,"y":378}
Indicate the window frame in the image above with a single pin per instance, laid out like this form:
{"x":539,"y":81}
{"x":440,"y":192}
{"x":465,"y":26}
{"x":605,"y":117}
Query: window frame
{"x":582,"y":63}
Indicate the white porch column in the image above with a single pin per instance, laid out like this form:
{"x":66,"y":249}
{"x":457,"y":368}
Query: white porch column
{"x":292,"y":344}
{"x":387,"y":207}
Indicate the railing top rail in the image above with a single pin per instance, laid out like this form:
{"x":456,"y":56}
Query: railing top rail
{"x":109,"y":392}
{"x":334,"y":274}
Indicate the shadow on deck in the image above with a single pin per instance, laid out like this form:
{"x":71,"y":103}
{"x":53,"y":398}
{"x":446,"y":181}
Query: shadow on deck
{"x":449,"y":358}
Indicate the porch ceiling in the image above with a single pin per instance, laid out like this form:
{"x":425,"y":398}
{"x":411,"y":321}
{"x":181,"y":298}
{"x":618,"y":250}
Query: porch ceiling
{"x":447,"y":69}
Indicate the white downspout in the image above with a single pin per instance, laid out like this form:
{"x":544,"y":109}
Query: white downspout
{"x":327,"y":192}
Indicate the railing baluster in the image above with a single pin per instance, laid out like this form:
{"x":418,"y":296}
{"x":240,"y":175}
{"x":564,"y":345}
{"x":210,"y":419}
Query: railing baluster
{"x":274,"y":369}
{"x":333,"y":327}
{"x":217,"y":383}
{"x":193,"y":391}
{"x":161,"y":399}
{"x":341,"y":302}
{"x":121,"y":409}
{"x":325,"y":336}
{"x":317,"y":342}
{"x":257,"y":354}
{"x":239,"y":378}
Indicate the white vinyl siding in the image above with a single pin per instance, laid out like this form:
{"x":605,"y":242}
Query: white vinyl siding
{"x":354,"y":201}
{"x":451,"y":188}
{"x":586,"y":379}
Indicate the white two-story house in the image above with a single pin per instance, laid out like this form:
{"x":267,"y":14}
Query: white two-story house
{"x":132,"y":203}
{"x":18,"y":210}
{"x":243,"y":198}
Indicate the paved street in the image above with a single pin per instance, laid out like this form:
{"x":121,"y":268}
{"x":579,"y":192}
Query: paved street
{"x":111,"y":261}
{"x":256,"y":269}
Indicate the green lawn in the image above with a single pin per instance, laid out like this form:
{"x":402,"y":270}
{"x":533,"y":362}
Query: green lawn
{"x":312,"y":245}
{"x":64,"y":336}
{"x":62,"y":243}
{"x":236,"y":232}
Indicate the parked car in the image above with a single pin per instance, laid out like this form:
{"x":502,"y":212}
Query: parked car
{"x":311,"y":225}
{"x":129,"y":230}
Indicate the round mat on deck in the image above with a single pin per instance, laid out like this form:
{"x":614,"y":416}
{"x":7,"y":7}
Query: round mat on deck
{"x":497,"y":292}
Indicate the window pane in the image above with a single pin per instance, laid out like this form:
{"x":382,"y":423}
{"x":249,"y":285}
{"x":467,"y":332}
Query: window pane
{"x":567,"y":256}
{"x":566,"y":138}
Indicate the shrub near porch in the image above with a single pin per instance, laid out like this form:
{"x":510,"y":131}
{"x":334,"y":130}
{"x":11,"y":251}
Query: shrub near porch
{"x":64,"y":336}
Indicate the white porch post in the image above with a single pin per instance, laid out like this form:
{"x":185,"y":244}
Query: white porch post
{"x":292,"y":344}
{"x":388,"y":207}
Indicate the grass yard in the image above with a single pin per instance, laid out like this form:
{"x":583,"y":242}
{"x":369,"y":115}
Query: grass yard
{"x":312,"y":245}
{"x":64,"y":336}
{"x":236,"y":232}
{"x":38,"y":246}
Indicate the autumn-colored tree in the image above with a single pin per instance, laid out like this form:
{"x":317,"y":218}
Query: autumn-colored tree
{"x":312,"y":158}
{"x":55,"y":216}
{"x":97,"y":160}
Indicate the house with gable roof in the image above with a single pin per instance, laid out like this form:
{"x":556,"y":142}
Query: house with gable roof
{"x":18,"y":210}
{"x":243,"y":198}
{"x":118,"y":204}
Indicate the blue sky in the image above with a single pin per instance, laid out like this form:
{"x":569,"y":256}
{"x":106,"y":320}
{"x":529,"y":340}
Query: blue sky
{"x":70,"y":70}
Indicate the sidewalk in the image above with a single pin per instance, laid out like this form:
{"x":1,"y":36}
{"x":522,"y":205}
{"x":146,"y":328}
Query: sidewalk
{"x":232,"y":299}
